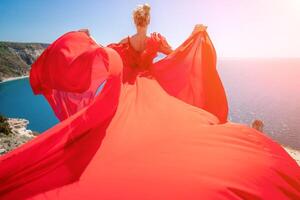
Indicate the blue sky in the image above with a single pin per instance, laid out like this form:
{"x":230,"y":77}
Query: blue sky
{"x":238,"y":28}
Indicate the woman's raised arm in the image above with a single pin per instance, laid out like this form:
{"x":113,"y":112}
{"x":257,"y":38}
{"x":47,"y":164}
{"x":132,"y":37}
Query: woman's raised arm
{"x":164,"y":46}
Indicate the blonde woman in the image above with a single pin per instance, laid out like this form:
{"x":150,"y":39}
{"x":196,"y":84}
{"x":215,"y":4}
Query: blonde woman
{"x":155,"y":131}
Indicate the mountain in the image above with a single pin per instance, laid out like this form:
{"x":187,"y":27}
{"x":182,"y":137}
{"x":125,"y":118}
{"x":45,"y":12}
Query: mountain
{"x":16,"y":58}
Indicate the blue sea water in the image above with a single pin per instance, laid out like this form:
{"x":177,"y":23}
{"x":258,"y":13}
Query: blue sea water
{"x":17,"y":100}
{"x":266,"y":89}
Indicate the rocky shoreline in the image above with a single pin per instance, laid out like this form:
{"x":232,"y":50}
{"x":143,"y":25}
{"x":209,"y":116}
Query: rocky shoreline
{"x":19,"y":135}
{"x":13,"y":78}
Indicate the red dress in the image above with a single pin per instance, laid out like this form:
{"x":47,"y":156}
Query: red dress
{"x":155,"y":131}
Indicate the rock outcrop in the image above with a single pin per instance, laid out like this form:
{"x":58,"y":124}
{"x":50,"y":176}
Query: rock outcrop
{"x":293,"y":153}
{"x":19,"y":134}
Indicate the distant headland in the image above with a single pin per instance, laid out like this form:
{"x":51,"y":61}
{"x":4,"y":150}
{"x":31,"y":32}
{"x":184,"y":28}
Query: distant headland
{"x":16,"y":58}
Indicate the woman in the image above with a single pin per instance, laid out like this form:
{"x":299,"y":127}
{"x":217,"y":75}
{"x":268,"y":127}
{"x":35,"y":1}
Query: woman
{"x":155,"y":131}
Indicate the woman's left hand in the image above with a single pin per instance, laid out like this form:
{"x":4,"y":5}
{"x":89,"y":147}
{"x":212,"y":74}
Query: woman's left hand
{"x":87,"y":31}
{"x":199,"y":28}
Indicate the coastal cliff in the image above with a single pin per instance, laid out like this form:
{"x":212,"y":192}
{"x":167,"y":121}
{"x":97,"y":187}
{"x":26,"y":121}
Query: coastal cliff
{"x":16,"y":58}
{"x":14,"y":133}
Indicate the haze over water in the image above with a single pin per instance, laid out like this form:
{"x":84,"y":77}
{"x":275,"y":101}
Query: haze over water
{"x":266,"y":89}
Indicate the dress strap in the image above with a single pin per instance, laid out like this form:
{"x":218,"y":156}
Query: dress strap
{"x":129,"y":43}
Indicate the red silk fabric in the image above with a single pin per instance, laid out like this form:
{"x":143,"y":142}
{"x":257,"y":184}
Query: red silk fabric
{"x":190,"y":74}
{"x":157,"y":133}
{"x":69,"y":72}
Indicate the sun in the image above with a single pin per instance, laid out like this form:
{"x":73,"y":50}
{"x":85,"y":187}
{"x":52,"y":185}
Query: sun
{"x":296,"y":4}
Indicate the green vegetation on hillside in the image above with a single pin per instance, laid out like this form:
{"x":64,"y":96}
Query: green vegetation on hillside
{"x":4,"y":126}
{"x":16,"y":58}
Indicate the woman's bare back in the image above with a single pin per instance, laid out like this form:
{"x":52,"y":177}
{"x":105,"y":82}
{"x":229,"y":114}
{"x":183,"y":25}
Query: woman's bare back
{"x":137,"y":42}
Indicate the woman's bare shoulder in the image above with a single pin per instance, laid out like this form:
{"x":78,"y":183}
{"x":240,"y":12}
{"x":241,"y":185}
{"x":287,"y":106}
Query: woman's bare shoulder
{"x":124,"y":40}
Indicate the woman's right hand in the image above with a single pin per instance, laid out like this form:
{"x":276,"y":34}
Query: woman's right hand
{"x":85,"y":30}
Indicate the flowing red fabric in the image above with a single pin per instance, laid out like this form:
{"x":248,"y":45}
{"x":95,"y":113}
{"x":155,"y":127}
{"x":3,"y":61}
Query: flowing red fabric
{"x":154,"y":132}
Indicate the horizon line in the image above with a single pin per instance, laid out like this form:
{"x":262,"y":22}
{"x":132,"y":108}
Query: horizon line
{"x":218,"y":57}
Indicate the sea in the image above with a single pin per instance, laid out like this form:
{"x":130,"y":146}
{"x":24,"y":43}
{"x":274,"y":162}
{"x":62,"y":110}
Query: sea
{"x":264,"y":89}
